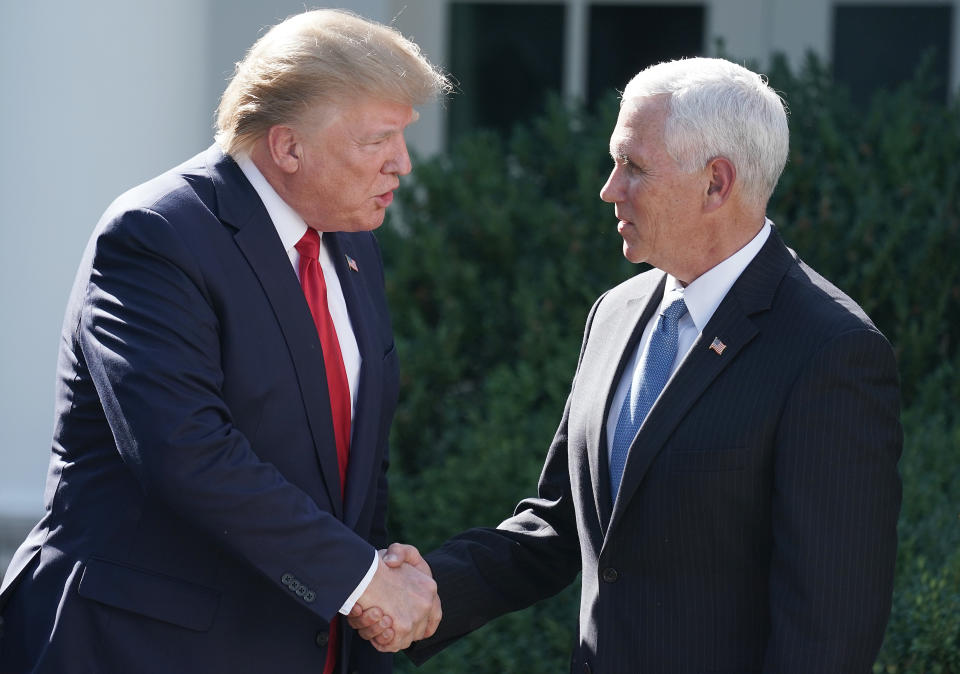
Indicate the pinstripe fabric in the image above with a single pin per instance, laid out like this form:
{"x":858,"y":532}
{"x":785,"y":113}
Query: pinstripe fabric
{"x":755,"y":530}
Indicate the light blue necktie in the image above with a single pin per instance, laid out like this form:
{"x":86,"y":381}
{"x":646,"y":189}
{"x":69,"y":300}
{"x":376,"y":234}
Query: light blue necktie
{"x":648,"y":380}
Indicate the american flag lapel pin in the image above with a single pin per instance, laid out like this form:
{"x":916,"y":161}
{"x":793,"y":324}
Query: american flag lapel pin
{"x":351,"y":263}
{"x":717,"y":346}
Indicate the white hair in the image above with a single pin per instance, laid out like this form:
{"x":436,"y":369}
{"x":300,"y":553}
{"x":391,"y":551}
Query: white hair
{"x":720,"y":109}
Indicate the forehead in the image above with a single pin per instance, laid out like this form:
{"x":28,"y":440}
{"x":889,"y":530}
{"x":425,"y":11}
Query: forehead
{"x":374,"y":112}
{"x":640,"y":125}
{"x":361,"y":117}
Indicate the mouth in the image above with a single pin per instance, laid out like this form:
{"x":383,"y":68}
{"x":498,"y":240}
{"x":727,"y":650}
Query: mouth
{"x":384,"y":200}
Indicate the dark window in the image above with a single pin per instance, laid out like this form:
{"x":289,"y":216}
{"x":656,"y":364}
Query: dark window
{"x":878,"y":47}
{"x":507,"y":58}
{"x":624,"y":40}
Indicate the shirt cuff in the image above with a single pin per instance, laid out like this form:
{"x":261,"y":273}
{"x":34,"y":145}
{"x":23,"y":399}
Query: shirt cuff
{"x":362,"y":587}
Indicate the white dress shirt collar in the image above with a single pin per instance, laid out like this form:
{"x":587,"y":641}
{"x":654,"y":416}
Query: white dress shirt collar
{"x":290,"y":226}
{"x":705,"y":293}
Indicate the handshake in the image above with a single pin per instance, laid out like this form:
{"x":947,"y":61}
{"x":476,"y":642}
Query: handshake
{"x":401,"y":604}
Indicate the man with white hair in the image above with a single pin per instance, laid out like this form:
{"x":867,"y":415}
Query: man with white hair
{"x":227,"y":379}
{"x":725,"y":472}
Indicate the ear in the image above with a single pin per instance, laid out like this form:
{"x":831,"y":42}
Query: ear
{"x":284,"y":148}
{"x":722,"y":174}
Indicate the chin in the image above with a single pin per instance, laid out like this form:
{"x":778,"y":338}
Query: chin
{"x":367,"y":225}
{"x":632,"y":254}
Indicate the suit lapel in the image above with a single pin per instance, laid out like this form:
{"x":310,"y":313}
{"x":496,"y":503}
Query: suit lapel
{"x":614,"y":362}
{"x":365,"y":425}
{"x":260,"y":244}
{"x":731,"y":324}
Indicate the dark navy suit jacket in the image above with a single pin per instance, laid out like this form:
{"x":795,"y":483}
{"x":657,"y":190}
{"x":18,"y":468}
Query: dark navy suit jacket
{"x":755,"y":527}
{"x":194,"y":520}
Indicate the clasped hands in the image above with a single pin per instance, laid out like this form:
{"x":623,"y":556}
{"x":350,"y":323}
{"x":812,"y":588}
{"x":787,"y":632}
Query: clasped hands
{"x":401,"y":604}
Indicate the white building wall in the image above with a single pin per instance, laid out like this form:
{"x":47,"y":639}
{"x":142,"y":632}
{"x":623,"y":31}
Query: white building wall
{"x":95,"y":100}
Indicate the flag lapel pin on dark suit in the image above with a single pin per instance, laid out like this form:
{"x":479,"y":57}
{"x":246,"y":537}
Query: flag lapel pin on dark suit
{"x":351,"y":263}
{"x":717,"y":346}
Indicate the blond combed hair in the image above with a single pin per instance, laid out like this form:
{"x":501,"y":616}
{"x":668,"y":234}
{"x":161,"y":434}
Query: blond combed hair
{"x":320,"y":57}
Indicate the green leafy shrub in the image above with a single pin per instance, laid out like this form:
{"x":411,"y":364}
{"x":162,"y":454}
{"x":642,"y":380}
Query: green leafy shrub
{"x":924,"y":631}
{"x":500,"y":247}
{"x":870,"y":199}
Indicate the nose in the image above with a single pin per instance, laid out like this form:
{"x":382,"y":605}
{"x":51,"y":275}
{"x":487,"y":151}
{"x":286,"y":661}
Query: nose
{"x":399,"y":163}
{"x":611,"y":190}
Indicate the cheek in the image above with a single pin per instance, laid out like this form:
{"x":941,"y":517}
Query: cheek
{"x":645,"y":201}
{"x":363,"y":177}
{"x":349,"y":187}
{"x":634,"y":195}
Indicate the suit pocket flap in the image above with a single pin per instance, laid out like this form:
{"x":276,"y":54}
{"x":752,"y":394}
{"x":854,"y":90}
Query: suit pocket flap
{"x":151,"y":594}
{"x":705,"y":460}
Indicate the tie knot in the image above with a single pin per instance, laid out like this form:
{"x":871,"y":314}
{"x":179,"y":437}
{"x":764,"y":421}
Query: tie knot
{"x":309,"y":244}
{"x":674,"y":312}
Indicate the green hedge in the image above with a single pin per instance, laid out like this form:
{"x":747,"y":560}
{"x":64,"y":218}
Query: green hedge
{"x":870,"y":199}
{"x":500,"y":247}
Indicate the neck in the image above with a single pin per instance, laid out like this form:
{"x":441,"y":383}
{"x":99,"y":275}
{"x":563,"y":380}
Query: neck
{"x":260,"y":156}
{"x":727,"y":237}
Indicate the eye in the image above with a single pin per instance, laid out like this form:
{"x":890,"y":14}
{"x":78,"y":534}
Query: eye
{"x":375,"y":142}
{"x":625,"y":161}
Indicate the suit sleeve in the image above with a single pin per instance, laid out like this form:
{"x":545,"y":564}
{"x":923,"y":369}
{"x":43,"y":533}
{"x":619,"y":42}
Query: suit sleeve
{"x":835,"y":505}
{"x":150,"y":336}
{"x":484,"y":573}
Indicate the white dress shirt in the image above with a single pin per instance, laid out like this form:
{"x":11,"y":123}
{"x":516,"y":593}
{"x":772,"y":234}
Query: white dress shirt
{"x":291,"y":228}
{"x":702,"y":298}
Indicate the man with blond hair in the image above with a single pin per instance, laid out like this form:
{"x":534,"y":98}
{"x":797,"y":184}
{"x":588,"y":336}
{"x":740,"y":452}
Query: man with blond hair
{"x":226,"y":383}
{"x":724,"y":475}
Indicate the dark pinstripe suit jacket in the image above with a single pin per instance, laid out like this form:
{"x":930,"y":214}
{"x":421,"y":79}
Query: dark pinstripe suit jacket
{"x":755,"y":529}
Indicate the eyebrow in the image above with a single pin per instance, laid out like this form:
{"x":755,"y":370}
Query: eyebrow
{"x":619,"y":150}
{"x":620,"y":153}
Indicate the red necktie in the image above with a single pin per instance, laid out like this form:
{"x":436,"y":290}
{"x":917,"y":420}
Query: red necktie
{"x":315,"y":290}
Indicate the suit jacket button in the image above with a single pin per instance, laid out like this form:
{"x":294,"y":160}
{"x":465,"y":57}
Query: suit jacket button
{"x":586,"y":668}
{"x":323,"y":638}
{"x":610,"y":575}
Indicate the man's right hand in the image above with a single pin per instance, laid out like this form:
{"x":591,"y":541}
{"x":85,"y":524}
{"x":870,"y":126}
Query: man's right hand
{"x":406,"y":596}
